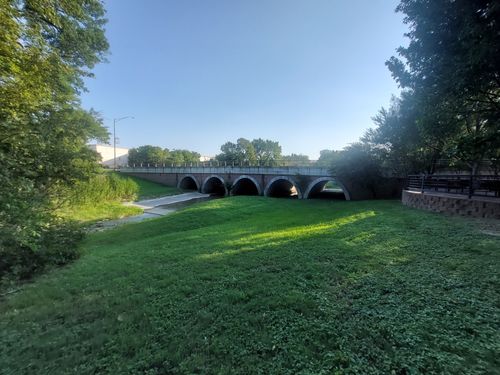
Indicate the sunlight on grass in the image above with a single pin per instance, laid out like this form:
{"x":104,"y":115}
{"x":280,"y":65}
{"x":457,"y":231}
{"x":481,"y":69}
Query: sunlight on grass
{"x":88,"y":213}
{"x":279,"y":237}
{"x":346,"y":287}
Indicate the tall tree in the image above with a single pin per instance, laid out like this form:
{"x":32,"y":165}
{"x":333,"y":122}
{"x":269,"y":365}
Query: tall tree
{"x":148,"y":155}
{"x":452,"y":67}
{"x":267,"y":152}
{"x":47,"y":48}
{"x":296,"y":159}
{"x":327,"y":158}
{"x":239,"y":153}
{"x":360,"y":166}
{"x":183,"y":157}
{"x":245,"y":152}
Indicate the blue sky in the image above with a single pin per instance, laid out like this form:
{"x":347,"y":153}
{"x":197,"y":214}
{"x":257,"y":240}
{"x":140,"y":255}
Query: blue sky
{"x":197,"y":73}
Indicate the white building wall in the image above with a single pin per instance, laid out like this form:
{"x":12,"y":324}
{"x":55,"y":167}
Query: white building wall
{"x":107,"y":155}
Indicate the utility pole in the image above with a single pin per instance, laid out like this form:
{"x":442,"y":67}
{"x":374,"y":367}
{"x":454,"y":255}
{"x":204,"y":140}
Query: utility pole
{"x":115,"y":120}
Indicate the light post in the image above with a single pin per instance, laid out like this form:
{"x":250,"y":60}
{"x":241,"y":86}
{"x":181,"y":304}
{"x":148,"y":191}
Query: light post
{"x":115,"y":120}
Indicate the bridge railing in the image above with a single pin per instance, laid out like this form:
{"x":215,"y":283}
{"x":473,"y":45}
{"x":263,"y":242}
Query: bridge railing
{"x":287,"y":170}
{"x":469,"y":185}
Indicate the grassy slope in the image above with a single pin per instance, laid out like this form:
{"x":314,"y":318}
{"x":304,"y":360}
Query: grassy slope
{"x":148,"y":189}
{"x":90,"y":213}
{"x":255,"y":285}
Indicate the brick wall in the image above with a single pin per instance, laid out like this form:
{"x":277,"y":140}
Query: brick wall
{"x":453,"y":204}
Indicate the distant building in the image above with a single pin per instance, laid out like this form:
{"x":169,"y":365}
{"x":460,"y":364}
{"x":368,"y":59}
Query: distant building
{"x":206,"y":158}
{"x":107,"y":155}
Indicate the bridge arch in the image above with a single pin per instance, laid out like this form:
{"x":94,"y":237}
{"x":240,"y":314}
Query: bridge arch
{"x":214,"y":185}
{"x":246,"y":185}
{"x":282,"y":186}
{"x":317,"y":186}
{"x":188,"y":182}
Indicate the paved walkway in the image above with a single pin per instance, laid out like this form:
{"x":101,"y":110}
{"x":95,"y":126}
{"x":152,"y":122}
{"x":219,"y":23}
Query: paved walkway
{"x":159,"y":206}
{"x":169,"y":199}
{"x":152,"y":208}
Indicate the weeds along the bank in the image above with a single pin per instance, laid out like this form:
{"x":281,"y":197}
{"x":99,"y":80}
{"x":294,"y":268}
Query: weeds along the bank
{"x":60,"y":229}
{"x":104,"y":187}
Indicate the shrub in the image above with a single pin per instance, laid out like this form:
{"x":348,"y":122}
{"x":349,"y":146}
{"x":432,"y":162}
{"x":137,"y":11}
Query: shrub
{"x":32,"y":237}
{"x":57,"y":245}
{"x":104,"y":187}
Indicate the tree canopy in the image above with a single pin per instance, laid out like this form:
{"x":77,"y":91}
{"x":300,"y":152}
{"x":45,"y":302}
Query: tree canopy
{"x":450,"y":73}
{"x":154,"y":155}
{"x":448,"y":113}
{"x":255,"y":152}
{"x":296,"y":160}
{"x":47,"y":48}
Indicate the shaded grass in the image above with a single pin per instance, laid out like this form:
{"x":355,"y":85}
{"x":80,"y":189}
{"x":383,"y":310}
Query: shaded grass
{"x":256,"y":285}
{"x":149,"y":189}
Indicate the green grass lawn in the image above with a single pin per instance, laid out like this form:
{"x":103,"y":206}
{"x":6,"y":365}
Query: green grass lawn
{"x":90,"y":213}
{"x":148,"y":189}
{"x":256,"y":285}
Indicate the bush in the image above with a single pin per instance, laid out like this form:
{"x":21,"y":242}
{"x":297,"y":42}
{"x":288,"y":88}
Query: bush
{"x":32,"y":237}
{"x":104,"y":187}
{"x":57,"y":245}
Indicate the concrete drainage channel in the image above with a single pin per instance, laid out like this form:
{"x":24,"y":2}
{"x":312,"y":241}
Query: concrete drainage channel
{"x":154,"y":208}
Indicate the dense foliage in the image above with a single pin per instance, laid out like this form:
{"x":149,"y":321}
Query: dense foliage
{"x":102,"y":197}
{"x":255,"y":152}
{"x":104,"y":187}
{"x":47,"y":48}
{"x":154,"y":155}
{"x":327,"y":158}
{"x":251,"y":285}
{"x":448,"y":114}
{"x":296,"y":159}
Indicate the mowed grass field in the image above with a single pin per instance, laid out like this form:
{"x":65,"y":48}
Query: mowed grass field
{"x":251,"y":285}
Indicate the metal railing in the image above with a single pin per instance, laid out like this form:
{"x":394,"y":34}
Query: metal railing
{"x":188,"y":169}
{"x":469,"y":185}
{"x":217,"y":163}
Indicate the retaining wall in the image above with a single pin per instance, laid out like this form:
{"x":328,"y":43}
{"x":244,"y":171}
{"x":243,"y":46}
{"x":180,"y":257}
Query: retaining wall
{"x":453,"y":204}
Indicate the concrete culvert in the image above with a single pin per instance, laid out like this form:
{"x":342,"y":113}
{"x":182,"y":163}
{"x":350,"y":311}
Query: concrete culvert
{"x":188,"y":183}
{"x":245,"y":186}
{"x":326,"y":188}
{"x":282,"y":188}
{"x":214,"y":186}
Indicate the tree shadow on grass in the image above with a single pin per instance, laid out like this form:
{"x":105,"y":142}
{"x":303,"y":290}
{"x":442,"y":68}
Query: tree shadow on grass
{"x":358,"y":290}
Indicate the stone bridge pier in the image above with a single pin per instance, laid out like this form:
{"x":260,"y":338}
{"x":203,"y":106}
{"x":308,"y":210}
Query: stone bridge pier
{"x":291,"y":182}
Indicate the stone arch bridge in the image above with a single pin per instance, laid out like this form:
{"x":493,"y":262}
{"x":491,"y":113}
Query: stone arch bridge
{"x":299,"y":182}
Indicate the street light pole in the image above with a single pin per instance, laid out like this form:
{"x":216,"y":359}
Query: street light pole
{"x":115,"y":120}
{"x":114,"y":144}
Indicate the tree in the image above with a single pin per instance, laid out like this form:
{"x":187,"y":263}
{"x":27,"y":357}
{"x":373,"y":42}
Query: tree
{"x":256,"y":152}
{"x":148,"y":155}
{"x":230,"y":154}
{"x":267,"y":152}
{"x":179,"y":157}
{"x":451,"y":66}
{"x":297,"y":159}
{"x":239,"y":153}
{"x":46,"y":49}
{"x":327,"y":158}
{"x":247,"y":150}
{"x":360,"y":166}
{"x":405,"y":147}
{"x":154,"y":155}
